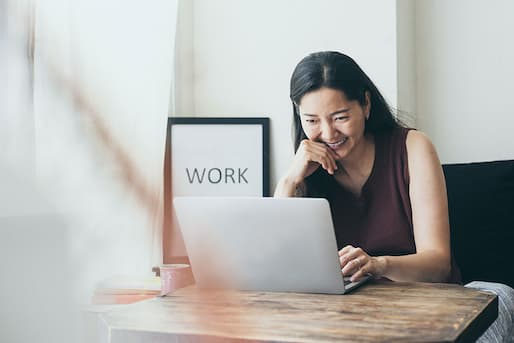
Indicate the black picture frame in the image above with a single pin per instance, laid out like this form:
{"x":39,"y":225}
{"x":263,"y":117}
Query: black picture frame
{"x":262,"y":123}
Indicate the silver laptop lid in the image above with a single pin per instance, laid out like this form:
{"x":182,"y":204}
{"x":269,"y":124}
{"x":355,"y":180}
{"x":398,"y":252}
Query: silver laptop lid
{"x":267,"y":244}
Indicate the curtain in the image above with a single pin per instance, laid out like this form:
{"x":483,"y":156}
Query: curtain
{"x":103,"y":72}
{"x":16,"y":129}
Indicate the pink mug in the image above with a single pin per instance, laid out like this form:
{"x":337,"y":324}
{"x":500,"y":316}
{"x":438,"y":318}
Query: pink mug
{"x":175,"y":276}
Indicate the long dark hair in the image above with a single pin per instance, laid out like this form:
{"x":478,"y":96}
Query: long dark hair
{"x":335,"y":70}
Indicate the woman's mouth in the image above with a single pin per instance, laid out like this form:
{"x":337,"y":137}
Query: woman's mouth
{"x":336,"y":145}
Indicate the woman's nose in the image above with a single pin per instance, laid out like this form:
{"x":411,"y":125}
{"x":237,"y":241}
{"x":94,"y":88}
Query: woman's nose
{"x":328,"y":132}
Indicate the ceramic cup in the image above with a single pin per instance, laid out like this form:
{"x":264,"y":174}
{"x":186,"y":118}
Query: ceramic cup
{"x":175,"y":276}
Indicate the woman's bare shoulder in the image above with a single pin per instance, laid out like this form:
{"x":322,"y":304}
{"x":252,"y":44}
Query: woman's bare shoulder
{"x":419,"y":145}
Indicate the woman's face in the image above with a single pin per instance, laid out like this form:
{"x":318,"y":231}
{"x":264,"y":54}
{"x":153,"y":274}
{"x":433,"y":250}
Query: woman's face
{"x":328,"y":117}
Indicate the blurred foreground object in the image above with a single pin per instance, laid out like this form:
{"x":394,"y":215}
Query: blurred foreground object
{"x":37,"y":298}
{"x":126,"y":290}
{"x":82,"y":130}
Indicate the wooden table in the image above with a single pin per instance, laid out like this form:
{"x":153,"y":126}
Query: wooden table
{"x":378,"y":311}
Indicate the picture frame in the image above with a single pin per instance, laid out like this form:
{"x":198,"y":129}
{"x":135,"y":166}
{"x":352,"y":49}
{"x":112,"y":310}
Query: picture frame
{"x":212,"y":156}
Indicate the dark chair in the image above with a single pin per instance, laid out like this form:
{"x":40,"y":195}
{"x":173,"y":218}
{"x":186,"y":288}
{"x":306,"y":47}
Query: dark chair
{"x":481,"y":207}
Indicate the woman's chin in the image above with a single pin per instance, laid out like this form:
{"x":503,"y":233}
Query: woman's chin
{"x":341,"y":154}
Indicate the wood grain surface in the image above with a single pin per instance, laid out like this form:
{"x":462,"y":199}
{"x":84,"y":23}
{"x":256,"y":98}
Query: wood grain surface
{"x":379,"y":311}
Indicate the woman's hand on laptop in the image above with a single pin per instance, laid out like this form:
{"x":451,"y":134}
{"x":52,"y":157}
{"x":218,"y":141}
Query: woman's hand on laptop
{"x":357,"y":263}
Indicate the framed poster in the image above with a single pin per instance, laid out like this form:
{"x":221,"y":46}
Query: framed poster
{"x":212,"y":157}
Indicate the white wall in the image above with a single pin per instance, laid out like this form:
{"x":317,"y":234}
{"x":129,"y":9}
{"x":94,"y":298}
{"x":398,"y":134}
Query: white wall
{"x":182,"y":97}
{"x":406,"y":59}
{"x":445,"y":63}
{"x":465,"y":75}
{"x":245,"y":51}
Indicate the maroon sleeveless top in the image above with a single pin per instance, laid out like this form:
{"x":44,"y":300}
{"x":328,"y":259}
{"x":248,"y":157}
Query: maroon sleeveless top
{"x":380,"y":219}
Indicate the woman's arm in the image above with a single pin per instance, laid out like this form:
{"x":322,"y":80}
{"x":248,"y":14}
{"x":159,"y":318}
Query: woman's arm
{"x":429,"y":203}
{"x":286,"y":188}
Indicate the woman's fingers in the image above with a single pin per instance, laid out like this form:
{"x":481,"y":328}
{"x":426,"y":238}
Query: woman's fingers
{"x":333,"y":158}
{"x":328,"y":164}
{"x":362,"y":272}
{"x":374,"y":267}
{"x":309,"y":157}
{"x":353,"y":260}
{"x":353,"y":266}
{"x":327,"y":156}
{"x":345,"y":250}
{"x":345,"y":256}
{"x":320,"y":153}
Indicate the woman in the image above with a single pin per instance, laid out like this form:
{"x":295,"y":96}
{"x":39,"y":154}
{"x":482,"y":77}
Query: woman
{"x":384,"y":182}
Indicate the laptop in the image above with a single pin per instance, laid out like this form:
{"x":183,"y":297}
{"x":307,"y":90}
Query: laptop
{"x":262,"y":244}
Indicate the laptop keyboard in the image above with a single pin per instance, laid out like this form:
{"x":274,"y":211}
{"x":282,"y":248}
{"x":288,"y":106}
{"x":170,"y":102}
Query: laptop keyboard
{"x":346,"y":280}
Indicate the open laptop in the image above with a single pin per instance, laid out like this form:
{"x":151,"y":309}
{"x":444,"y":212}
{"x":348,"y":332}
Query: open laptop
{"x":262,"y":244}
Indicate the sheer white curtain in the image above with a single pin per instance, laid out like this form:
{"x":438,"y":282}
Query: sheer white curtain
{"x":16,"y":134}
{"x":102,"y":77}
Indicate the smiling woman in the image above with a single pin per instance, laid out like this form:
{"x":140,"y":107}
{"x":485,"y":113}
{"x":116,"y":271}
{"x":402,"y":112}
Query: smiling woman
{"x":384,"y":181}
